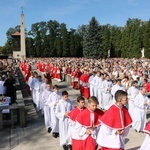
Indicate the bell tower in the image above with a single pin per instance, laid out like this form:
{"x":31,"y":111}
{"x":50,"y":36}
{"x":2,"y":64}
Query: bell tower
{"x":22,"y":39}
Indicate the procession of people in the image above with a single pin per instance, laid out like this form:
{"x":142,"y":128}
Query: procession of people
{"x":116,"y":91}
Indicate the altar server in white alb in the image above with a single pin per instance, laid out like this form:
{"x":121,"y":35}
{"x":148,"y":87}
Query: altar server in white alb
{"x":106,"y":94}
{"x":34,"y":86}
{"x":54,"y":99}
{"x":141,"y":103}
{"x":45,"y":98}
{"x":146,"y":143}
{"x":91,"y":85}
{"x":133,"y":91}
{"x":63,"y":108}
{"x":38,"y":94}
{"x":100,"y":90}
{"x":95,"y":82}
{"x":115,"y":88}
{"x":42,"y":89}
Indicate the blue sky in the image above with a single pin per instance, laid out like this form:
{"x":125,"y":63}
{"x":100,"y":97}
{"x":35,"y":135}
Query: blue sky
{"x":71,"y":12}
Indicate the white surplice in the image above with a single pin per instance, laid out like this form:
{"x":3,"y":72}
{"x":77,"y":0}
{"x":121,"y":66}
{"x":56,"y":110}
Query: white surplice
{"x":107,"y":137}
{"x":91,"y":85}
{"x":53,"y":98}
{"x":42,"y":89}
{"x":132,"y":92}
{"x":47,"y":115}
{"x":140,"y":110}
{"x":94,"y":83}
{"x":61,"y":109}
{"x":106,"y":95}
{"x":99,"y":92}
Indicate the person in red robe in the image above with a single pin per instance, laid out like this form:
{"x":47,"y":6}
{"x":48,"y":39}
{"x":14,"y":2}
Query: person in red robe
{"x":47,"y":75}
{"x":76,"y":76}
{"x":86,"y":85}
{"x":58,"y":73}
{"x":54,"y":72}
{"x":28,"y":72}
{"x":146,"y":143}
{"x":115,"y":124}
{"x":76,"y":140}
{"x":82,"y":79}
{"x":146,"y":84}
{"x":88,"y":124}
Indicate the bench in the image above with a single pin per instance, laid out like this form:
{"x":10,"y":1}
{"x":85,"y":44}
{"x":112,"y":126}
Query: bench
{"x":20,"y":115}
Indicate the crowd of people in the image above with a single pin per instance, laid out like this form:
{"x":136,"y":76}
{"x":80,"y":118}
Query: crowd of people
{"x":117,"y":93}
{"x":7,"y":80}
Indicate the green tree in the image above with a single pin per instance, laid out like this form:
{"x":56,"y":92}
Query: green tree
{"x":131,"y":38}
{"x":30,"y":51}
{"x":38,"y":32}
{"x":53,"y":28}
{"x":13,"y":43}
{"x":146,"y":38}
{"x":58,"y":46}
{"x":64,"y":37}
{"x":105,"y":39}
{"x":73,"y":50}
{"x":92,"y":47}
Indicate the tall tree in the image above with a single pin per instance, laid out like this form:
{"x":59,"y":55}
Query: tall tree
{"x":92,"y":47}
{"x":38,"y":32}
{"x":146,"y":38}
{"x":30,"y":52}
{"x":105,"y":39}
{"x":64,"y":37}
{"x":72,"y":46}
{"x":53,"y":27}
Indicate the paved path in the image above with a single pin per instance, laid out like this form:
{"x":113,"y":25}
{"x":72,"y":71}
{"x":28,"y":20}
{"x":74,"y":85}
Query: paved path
{"x":35,"y":136}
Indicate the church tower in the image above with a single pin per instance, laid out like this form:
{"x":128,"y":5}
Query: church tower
{"x":22,"y":39}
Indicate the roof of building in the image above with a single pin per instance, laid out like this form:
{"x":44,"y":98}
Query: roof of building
{"x":16,"y":34}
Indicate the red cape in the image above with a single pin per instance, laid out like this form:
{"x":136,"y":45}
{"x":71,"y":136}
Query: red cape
{"x":114,"y":119}
{"x":73,"y":114}
{"x":84,"y":117}
{"x":147,"y":128}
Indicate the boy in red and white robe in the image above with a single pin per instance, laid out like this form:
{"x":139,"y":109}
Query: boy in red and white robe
{"x":87,"y":124}
{"x":146,"y":143}
{"x":76,"y":139}
{"x":115,"y":124}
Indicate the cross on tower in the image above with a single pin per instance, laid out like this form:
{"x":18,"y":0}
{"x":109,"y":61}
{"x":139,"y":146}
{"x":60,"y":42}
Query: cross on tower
{"x":22,"y":9}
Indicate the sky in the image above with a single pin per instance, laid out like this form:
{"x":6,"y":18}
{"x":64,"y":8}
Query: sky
{"x":73,"y":13}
